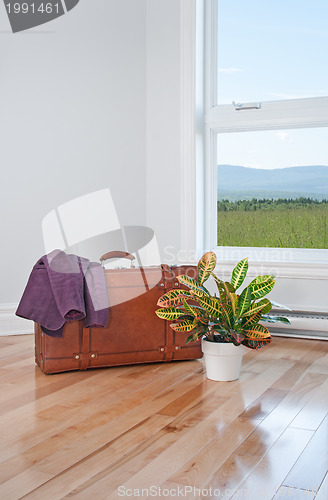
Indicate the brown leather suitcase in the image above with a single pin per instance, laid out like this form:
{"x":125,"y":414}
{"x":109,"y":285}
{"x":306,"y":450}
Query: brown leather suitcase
{"x":133,"y":334}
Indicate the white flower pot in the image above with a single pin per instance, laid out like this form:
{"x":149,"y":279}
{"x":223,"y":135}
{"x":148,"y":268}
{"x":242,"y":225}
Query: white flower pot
{"x":222,"y":360}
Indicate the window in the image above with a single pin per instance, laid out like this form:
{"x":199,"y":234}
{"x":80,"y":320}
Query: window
{"x":269,"y":50}
{"x":273,"y":188}
{"x":266,"y":182}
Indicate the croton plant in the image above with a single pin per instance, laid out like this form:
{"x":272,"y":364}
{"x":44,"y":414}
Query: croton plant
{"x":226,"y":316}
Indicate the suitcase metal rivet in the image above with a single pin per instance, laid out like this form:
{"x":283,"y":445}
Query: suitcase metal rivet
{"x":162,"y":349}
{"x":176,"y":347}
{"x":92,"y":355}
{"x":176,"y":284}
{"x":77,"y":357}
{"x":162,"y":285}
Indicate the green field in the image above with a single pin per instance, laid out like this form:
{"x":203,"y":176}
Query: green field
{"x":281,"y":223}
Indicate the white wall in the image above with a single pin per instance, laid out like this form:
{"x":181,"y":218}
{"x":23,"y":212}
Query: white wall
{"x":164,"y":124}
{"x":89,"y":101}
{"x":72,"y":121}
{"x":97,"y":99}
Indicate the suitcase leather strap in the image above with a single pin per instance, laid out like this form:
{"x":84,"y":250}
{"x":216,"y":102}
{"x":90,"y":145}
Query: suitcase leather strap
{"x":169,"y":279}
{"x":85,"y":356}
{"x":85,"y":348}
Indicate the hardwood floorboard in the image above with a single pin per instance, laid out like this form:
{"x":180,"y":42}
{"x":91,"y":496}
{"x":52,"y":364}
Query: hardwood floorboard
{"x":312,"y":465}
{"x":242,"y":392}
{"x":320,"y":365}
{"x":294,"y":493}
{"x":322,"y":493}
{"x":199,"y":469}
{"x":271,"y":428}
{"x":315,"y":410}
{"x":103,"y":475}
{"x":86,"y":434}
{"x":266,"y":478}
{"x":264,"y":405}
{"x":91,"y":417}
{"x":83,"y":446}
{"x":97,"y":394}
{"x":227,"y":478}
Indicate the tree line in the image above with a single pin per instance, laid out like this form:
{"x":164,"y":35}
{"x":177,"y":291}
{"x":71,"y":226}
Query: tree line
{"x":269,"y":204}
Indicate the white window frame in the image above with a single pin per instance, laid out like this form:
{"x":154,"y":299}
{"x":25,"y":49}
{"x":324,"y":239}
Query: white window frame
{"x":273,"y":115}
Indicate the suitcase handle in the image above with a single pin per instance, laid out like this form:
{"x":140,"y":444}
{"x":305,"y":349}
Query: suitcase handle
{"x":117,"y":255}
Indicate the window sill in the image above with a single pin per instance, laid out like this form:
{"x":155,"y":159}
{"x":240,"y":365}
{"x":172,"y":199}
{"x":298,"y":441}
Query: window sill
{"x":296,"y":263}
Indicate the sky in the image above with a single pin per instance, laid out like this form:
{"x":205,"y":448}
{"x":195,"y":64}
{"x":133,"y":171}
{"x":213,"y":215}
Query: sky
{"x":271,"y":149}
{"x":272,"y":50}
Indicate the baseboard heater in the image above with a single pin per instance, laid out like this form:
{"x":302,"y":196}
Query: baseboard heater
{"x":302,"y":324}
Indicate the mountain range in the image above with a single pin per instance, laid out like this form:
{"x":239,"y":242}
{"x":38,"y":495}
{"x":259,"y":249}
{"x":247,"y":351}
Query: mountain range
{"x":236,"y":182}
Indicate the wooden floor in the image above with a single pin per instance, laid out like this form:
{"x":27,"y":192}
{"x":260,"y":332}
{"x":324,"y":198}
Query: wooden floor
{"x":165,"y":430}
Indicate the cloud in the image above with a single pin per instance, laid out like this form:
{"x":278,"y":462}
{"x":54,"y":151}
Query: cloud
{"x":282,"y":135}
{"x":230,"y":71}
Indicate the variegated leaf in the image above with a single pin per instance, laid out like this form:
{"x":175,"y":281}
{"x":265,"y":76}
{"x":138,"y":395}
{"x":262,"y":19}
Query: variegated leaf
{"x":225,"y":289}
{"x":233,"y":299}
{"x":256,"y":344}
{"x":228,"y":288}
{"x":223,"y":296}
{"x":184,"y":326}
{"x":188,"y":281}
{"x":193,"y":337}
{"x":203,"y":319}
{"x":205,"y":266}
{"x":257,"y":306}
{"x":261,"y":279}
{"x":170,"y":313}
{"x":189,"y":309}
{"x":261,"y":286}
{"x":198,"y":333}
{"x":173,"y":298}
{"x":197,"y":289}
{"x":252,"y":320}
{"x":239,"y":273}
{"x":276,"y":304}
{"x":227,"y":315}
{"x":275,"y":319}
{"x":211,"y":306}
{"x":257,"y":332}
{"x":218,"y":282}
{"x":202,"y":316}
{"x":244,"y":301}
{"x":266,"y":309}
{"x":196,"y":295}
{"x":221,"y":330}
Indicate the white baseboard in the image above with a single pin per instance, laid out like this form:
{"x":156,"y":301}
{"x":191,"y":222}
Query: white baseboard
{"x":10,"y":324}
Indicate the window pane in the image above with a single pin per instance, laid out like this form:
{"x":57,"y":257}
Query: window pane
{"x":273,"y":188}
{"x":272,"y":50}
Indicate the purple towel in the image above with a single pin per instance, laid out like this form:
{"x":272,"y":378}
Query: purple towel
{"x":64,"y":288}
